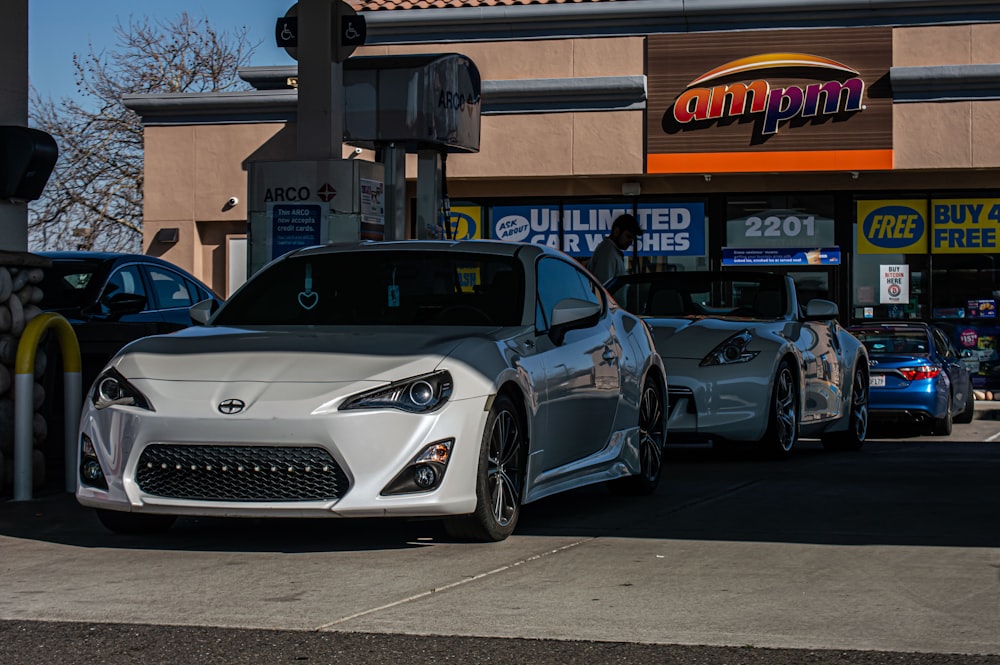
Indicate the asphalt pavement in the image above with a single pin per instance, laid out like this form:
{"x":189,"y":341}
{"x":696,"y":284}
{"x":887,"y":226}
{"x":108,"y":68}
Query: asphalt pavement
{"x":889,"y":555}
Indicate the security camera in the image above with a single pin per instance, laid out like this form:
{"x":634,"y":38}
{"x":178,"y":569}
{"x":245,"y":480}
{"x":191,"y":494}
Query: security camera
{"x":232,"y":201}
{"x":357,"y":151}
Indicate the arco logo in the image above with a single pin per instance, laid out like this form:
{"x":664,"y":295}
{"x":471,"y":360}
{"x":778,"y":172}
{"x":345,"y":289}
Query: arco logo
{"x":699,"y":103}
{"x":893,"y":226}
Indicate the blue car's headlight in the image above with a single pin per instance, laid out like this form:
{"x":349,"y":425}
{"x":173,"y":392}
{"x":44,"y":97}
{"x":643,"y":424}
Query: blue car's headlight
{"x":112,"y":388}
{"x":419,"y":394}
{"x":733,"y":350}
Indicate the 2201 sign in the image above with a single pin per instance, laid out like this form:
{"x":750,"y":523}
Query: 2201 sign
{"x":780,"y":227}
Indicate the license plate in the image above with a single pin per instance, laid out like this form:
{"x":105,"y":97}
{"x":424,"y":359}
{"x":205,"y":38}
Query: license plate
{"x":876,"y":380}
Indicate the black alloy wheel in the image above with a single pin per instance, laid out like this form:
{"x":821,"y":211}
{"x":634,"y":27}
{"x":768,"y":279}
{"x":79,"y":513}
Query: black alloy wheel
{"x":500,"y":479}
{"x":651,"y":443}
{"x":857,"y":428}
{"x":783,"y":429}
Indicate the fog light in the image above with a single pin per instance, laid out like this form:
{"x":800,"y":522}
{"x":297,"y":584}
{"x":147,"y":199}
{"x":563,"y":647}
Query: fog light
{"x":424,"y":476}
{"x":425,"y":472}
{"x":92,"y":472}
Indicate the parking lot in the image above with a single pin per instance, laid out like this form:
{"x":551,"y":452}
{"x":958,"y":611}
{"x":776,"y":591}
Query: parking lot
{"x":895,"y":548}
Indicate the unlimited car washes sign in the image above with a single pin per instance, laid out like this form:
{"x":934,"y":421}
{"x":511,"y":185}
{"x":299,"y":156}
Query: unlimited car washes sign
{"x":769,"y":101}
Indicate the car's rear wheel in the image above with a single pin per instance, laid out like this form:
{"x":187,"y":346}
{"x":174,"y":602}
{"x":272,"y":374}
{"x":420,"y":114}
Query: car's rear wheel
{"x":783,"y":427}
{"x":942,"y":426}
{"x":499,"y":480}
{"x":969,"y":412}
{"x":857,"y":426}
{"x":651,"y":442}
{"x":122,"y":522}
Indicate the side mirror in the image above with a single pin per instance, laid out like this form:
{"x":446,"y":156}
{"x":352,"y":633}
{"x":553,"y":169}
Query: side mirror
{"x":818,"y":309}
{"x":571,"y":313}
{"x":202,"y":311}
{"x":121,"y":304}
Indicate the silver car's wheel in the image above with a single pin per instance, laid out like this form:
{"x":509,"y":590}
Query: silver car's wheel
{"x":500,"y":480}
{"x":783,"y":429}
{"x":857,"y":428}
{"x":651,"y":442}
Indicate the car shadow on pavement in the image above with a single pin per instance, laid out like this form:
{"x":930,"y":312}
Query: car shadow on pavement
{"x":900,"y":492}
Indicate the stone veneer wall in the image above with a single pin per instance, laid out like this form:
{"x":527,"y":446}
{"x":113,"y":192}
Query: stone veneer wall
{"x":20,"y":297}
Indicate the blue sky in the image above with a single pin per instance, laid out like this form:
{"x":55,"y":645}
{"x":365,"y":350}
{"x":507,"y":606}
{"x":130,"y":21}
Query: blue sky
{"x":59,"y":28}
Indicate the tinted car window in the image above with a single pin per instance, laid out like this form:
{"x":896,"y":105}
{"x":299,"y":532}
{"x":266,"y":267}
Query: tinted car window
{"x":124,"y":280}
{"x":68,"y":284}
{"x":381,"y":288}
{"x":171,"y":289}
{"x":558,"y":280}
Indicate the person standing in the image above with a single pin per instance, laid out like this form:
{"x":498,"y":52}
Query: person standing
{"x":609,"y":258}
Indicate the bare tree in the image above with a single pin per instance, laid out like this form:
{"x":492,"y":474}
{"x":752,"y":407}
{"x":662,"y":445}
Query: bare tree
{"x":93,"y":199}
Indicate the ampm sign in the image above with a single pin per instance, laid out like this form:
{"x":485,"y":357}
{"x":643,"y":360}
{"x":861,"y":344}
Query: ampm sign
{"x":892,"y":227}
{"x":965,"y":226}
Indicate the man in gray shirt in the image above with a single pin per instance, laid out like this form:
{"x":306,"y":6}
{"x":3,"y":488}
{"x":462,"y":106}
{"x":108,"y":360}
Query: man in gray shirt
{"x":609,"y":257}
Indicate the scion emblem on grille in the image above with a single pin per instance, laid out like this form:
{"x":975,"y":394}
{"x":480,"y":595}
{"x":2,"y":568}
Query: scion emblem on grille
{"x":231,"y":406}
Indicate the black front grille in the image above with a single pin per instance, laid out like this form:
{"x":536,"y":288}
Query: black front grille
{"x":240,"y":473}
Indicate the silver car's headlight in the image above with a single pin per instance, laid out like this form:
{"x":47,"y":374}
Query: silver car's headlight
{"x":112,"y":388}
{"x":419,"y":394}
{"x":733,"y":350}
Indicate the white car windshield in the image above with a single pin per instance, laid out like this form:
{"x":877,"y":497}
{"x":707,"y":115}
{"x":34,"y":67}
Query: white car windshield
{"x":381,"y":288}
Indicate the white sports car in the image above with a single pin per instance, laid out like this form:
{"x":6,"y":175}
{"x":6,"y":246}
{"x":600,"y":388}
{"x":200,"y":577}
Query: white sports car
{"x":746,"y":363}
{"x":414,"y":378}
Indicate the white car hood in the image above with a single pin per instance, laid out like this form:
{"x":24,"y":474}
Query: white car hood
{"x":695,"y":337}
{"x":288,"y":355}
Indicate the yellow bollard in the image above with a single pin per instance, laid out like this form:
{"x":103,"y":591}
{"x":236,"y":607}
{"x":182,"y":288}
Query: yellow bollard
{"x":24,"y":378}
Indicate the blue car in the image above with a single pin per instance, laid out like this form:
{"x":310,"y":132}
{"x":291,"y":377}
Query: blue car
{"x":916,"y":376}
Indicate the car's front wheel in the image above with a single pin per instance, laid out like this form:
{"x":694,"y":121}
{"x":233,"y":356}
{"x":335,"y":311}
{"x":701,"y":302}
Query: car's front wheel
{"x":783,"y":428}
{"x":651,"y":442}
{"x":857,"y":425}
{"x":500,"y":478}
{"x":122,"y":522}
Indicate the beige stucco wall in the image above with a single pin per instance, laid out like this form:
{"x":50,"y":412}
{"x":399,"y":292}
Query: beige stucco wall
{"x":192,"y":171}
{"x":539,"y":59}
{"x":946,"y":135}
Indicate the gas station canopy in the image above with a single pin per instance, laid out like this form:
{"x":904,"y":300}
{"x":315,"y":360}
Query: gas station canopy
{"x":419,"y":102}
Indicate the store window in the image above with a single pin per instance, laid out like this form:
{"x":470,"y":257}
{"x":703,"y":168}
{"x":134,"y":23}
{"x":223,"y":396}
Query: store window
{"x":966,"y":289}
{"x":891,"y":264}
{"x":798,"y":222}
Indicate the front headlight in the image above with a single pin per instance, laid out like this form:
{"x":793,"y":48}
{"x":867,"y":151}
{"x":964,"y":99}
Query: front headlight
{"x":733,"y":350}
{"x":419,"y":394}
{"x":112,"y":388}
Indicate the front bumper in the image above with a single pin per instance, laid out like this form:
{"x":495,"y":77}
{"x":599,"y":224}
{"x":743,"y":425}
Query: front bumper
{"x":722,"y":402}
{"x":274,"y":467}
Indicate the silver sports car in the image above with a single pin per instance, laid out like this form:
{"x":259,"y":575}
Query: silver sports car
{"x":428,"y":379}
{"x":746,"y":362}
